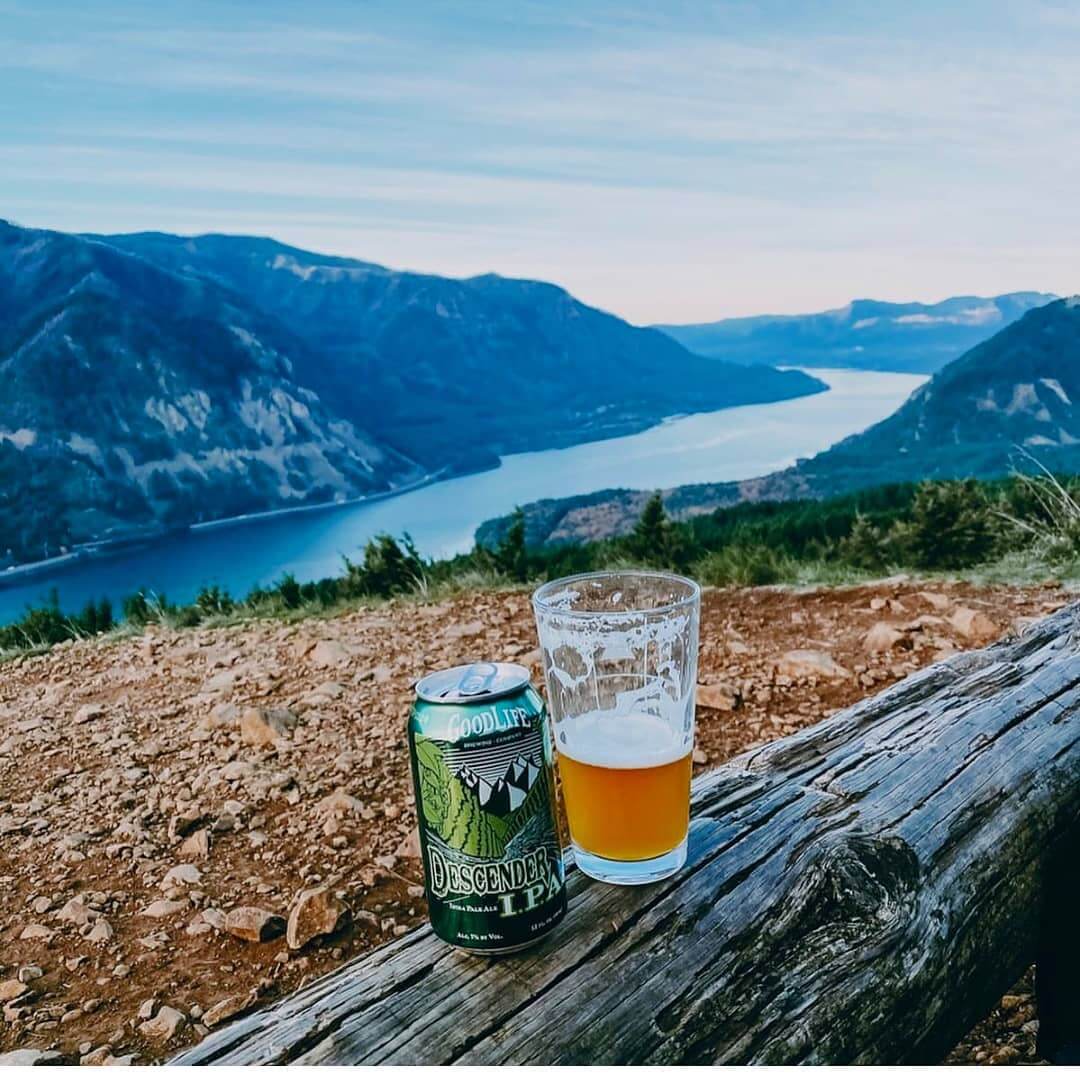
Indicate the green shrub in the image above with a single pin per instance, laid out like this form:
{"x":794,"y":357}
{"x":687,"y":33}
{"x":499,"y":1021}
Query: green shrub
{"x":388,"y":569}
{"x":213,"y":600}
{"x":951,"y":526}
{"x":288,"y":590}
{"x":146,"y":606}
{"x":95,"y":618}
{"x":1043,"y":511}
{"x":136,"y":609}
{"x":743,"y":565}
{"x":865,"y":547}
{"x":40,"y":626}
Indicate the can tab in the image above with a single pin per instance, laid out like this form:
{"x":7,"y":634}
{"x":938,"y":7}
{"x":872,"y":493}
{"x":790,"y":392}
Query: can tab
{"x":477,"y":680}
{"x":472,"y":683}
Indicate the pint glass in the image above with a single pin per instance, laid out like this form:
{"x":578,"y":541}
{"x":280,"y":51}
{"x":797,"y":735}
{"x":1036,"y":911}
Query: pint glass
{"x":620,"y":664}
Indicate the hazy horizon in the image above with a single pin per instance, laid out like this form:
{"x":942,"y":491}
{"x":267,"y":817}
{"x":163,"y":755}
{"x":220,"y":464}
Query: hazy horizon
{"x":686,"y":165}
{"x":839,"y":306}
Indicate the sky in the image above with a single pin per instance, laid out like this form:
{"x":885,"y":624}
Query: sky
{"x":669,"y":162}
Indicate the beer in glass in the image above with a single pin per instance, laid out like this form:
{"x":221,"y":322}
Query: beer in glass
{"x":620,"y":664}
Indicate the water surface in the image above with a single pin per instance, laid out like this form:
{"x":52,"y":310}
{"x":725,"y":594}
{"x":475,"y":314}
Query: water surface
{"x":732,"y":444}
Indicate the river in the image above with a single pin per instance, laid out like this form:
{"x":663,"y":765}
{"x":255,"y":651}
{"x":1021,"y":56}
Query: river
{"x":732,"y":444}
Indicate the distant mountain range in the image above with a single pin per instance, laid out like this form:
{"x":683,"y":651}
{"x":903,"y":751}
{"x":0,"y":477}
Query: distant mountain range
{"x":136,"y":398}
{"x":868,"y":334}
{"x":152,"y":381}
{"x":508,"y":791}
{"x":456,"y":372}
{"x":1019,"y":389}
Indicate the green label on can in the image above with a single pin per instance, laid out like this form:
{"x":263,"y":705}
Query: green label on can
{"x":486,"y":808}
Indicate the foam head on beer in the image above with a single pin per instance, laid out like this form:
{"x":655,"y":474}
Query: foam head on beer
{"x":626,"y":782}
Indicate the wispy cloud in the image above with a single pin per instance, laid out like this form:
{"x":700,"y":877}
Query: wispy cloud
{"x":762,"y":156}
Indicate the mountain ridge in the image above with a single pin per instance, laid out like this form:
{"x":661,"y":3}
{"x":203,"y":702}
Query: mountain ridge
{"x":864,"y":334}
{"x":388,"y":335}
{"x":136,"y":399}
{"x":153,"y":382}
{"x":1016,"y":393}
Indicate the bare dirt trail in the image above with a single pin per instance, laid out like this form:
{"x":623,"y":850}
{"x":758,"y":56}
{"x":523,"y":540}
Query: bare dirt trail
{"x":165,"y":799}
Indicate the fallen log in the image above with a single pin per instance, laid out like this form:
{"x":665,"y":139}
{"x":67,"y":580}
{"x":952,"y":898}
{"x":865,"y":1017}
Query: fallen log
{"x":862,"y":891}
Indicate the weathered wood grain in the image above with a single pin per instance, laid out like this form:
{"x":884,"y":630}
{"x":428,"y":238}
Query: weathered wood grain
{"x":862,"y":891}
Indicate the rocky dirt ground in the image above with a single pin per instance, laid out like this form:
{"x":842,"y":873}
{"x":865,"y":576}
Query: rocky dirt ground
{"x":195,"y":822}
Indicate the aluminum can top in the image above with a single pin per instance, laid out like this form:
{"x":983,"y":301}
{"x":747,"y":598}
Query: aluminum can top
{"x":471,"y":684}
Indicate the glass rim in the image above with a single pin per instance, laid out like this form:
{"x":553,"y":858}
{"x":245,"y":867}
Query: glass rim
{"x":540,"y":605}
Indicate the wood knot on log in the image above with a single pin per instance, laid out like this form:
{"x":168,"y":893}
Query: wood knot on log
{"x":854,"y":889}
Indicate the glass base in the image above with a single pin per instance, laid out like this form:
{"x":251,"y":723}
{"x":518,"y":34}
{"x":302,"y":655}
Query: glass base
{"x":637,"y":872}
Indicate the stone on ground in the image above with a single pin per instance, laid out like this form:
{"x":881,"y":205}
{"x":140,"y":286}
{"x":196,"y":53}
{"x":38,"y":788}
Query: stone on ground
{"x":165,"y":1025}
{"x":881,"y":637}
{"x":810,"y":664}
{"x":974,"y":625}
{"x":254,"y":924}
{"x":717,"y":696}
{"x":264,"y":727}
{"x":316,"y":913}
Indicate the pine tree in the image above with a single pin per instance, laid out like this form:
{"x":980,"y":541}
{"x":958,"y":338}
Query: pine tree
{"x":87,"y":622}
{"x":865,"y":546}
{"x":652,"y":540}
{"x":510,"y":556}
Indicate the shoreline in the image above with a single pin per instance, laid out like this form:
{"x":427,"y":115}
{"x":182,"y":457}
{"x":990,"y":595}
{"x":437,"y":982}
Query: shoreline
{"x":264,"y":515}
{"x":103,"y":549}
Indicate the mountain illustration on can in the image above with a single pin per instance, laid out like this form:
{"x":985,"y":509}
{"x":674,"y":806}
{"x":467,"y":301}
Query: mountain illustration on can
{"x":485,"y":798}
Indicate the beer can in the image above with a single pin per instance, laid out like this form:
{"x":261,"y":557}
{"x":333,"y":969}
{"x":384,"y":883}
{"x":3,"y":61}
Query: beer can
{"x":485,"y":805}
